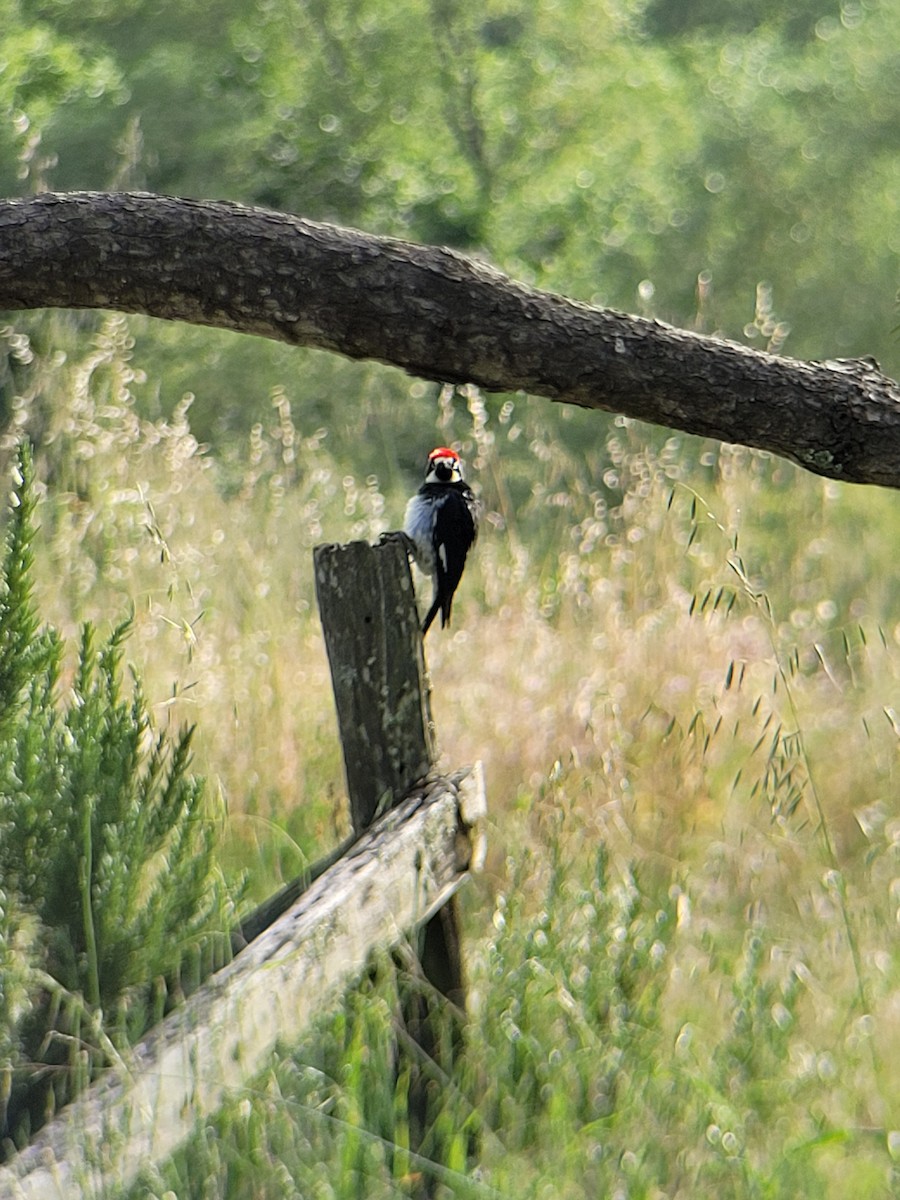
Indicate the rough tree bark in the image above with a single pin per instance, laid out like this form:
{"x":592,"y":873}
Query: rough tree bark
{"x":440,"y":316}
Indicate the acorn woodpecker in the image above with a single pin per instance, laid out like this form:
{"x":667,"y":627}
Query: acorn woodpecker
{"x":441,"y":525}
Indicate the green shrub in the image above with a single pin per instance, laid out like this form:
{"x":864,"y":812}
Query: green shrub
{"x":107,"y":848}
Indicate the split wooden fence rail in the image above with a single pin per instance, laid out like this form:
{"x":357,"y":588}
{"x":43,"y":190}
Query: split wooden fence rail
{"x":416,"y":837}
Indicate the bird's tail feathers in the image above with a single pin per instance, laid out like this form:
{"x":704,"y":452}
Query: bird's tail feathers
{"x":432,"y":613}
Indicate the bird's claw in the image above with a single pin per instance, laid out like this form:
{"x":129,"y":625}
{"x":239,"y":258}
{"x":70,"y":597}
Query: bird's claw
{"x":398,"y":535}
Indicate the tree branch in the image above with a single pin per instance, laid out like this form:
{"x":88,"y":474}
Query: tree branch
{"x":440,"y":316}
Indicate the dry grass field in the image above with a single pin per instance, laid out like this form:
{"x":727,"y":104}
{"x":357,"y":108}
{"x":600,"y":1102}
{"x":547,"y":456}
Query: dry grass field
{"x":679,"y":665}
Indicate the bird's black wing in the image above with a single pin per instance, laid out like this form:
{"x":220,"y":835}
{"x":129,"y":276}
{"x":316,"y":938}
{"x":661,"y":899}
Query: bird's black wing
{"x":454,"y":533}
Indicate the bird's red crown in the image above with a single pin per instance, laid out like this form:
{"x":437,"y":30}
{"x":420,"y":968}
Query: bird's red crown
{"x":443,"y":452}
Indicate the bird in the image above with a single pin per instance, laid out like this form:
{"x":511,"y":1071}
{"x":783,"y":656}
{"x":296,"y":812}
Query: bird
{"x":440,"y":526}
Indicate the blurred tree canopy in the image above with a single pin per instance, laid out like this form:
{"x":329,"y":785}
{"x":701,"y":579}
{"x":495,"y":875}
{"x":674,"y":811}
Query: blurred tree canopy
{"x":728,"y":168}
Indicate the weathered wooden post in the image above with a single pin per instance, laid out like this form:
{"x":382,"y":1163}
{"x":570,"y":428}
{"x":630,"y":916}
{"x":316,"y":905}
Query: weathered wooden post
{"x":371,"y":626}
{"x":372,"y":636}
{"x":368,"y":608}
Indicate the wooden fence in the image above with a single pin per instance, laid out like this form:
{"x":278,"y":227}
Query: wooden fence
{"x":416,"y":836}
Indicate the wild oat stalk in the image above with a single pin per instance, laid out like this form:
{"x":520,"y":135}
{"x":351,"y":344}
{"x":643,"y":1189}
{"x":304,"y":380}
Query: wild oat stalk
{"x":763,"y":604}
{"x":795,"y":741}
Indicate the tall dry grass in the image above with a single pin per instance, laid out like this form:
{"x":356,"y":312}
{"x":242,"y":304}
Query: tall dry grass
{"x":685,"y":653}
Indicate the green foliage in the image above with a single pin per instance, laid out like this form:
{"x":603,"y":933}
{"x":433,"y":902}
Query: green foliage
{"x":571,"y":1009}
{"x":106,"y":841}
{"x":24,"y":653}
{"x":43,"y":73}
